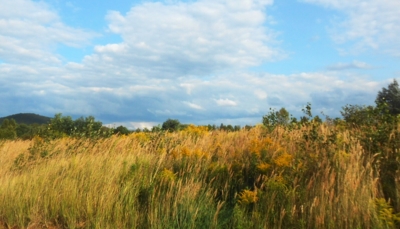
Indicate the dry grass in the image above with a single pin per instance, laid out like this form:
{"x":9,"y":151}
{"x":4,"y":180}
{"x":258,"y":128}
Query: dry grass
{"x":312,"y":177}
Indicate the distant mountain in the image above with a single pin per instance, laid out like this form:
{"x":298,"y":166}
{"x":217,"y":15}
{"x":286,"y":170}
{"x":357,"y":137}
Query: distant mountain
{"x":27,"y":118}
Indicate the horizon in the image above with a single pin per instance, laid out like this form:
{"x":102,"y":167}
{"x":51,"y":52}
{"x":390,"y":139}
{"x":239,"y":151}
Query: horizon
{"x":138,"y":63}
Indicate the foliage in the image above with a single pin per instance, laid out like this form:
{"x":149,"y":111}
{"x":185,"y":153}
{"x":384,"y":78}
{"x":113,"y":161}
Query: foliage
{"x":386,"y":213}
{"x":377,"y":130}
{"x":283,"y":118}
{"x":28,"y":118}
{"x":357,"y":115}
{"x":391,"y":97}
{"x":24,"y":131}
{"x":82,"y":127}
{"x":8,"y":129}
{"x":121,"y":130}
{"x":171,"y":125}
{"x":274,"y":118}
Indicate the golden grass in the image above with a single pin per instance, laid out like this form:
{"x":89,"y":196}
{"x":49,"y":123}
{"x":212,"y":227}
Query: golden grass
{"x":191,"y":179}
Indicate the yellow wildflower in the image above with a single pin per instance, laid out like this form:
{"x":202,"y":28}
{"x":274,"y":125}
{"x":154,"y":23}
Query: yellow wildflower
{"x":284,"y":160}
{"x":167,"y":175}
{"x":248,"y":197}
{"x":263,"y":168}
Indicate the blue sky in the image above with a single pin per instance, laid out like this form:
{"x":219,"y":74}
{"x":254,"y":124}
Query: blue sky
{"x":138,"y":63}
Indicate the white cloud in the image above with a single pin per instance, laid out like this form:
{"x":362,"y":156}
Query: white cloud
{"x":261,"y":94}
{"x":184,"y":60}
{"x":225,"y":102}
{"x":31,"y":31}
{"x":190,"y":38}
{"x":353,"y":65}
{"x":372,"y":24}
{"x":189,"y":87}
{"x":248,"y":97}
{"x":194,"y":106}
{"x":132,"y":125}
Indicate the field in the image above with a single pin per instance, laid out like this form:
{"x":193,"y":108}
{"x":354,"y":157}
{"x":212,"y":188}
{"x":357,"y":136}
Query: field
{"x":312,"y":176}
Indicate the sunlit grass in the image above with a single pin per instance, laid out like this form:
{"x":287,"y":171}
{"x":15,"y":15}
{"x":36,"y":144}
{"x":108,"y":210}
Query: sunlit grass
{"x":302,"y":178}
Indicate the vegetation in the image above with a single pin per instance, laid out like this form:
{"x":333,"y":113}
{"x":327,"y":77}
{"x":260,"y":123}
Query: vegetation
{"x":341,"y":173}
{"x":8,"y":129}
{"x":171,"y":125}
{"x":391,"y":97}
{"x":313,"y":176}
{"x":27,"y":118}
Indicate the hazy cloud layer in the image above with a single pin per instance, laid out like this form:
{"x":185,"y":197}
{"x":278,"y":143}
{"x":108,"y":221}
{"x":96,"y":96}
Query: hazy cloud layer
{"x":368,"y":25}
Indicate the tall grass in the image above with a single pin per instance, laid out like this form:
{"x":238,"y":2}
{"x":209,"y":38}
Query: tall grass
{"x":307,"y":177}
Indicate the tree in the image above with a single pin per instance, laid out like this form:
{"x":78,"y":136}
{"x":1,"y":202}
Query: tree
{"x":274,"y":118}
{"x":211,"y":127}
{"x":25,"y":131}
{"x":308,"y":115}
{"x":171,"y":125}
{"x":121,"y":130}
{"x":92,"y":127}
{"x":66,"y":126}
{"x":356,"y":115}
{"x":60,"y":125}
{"x":390,"y":96}
{"x":229,"y":128}
{"x":8,"y":129}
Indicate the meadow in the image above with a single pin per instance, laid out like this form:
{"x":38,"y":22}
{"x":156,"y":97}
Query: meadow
{"x":317,"y":175}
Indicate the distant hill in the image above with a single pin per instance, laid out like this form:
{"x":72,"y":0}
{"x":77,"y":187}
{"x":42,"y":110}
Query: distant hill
{"x":27,"y":118}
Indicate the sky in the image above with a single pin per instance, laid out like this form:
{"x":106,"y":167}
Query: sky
{"x":139,"y":63}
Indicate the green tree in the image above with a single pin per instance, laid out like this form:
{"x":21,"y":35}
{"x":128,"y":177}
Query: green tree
{"x":171,"y":125}
{"x":81,"y":127}
{"x":61,"y":125}
{"x":274,"y":118}
{"x":308,"y":115}
{"x":8,"y":129}
{"x":24,"y":131}
{"x":229,"y":128}
{"x":121,"y":130}
{"x":357,"y":115}
{"x":211,"y":127}
{"x":156,"y":128}
{"x":317,"y":119}
{"x":390,"y":96}
{"x":91,"y":127}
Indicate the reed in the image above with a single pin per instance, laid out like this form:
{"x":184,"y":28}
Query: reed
{"x":313,"y":176}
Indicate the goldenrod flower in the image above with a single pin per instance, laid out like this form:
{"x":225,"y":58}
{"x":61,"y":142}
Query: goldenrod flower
{"x":248,"y":197}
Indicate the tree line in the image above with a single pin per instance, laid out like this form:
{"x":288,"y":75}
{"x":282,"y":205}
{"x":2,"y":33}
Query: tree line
{"x":65,"y":126}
